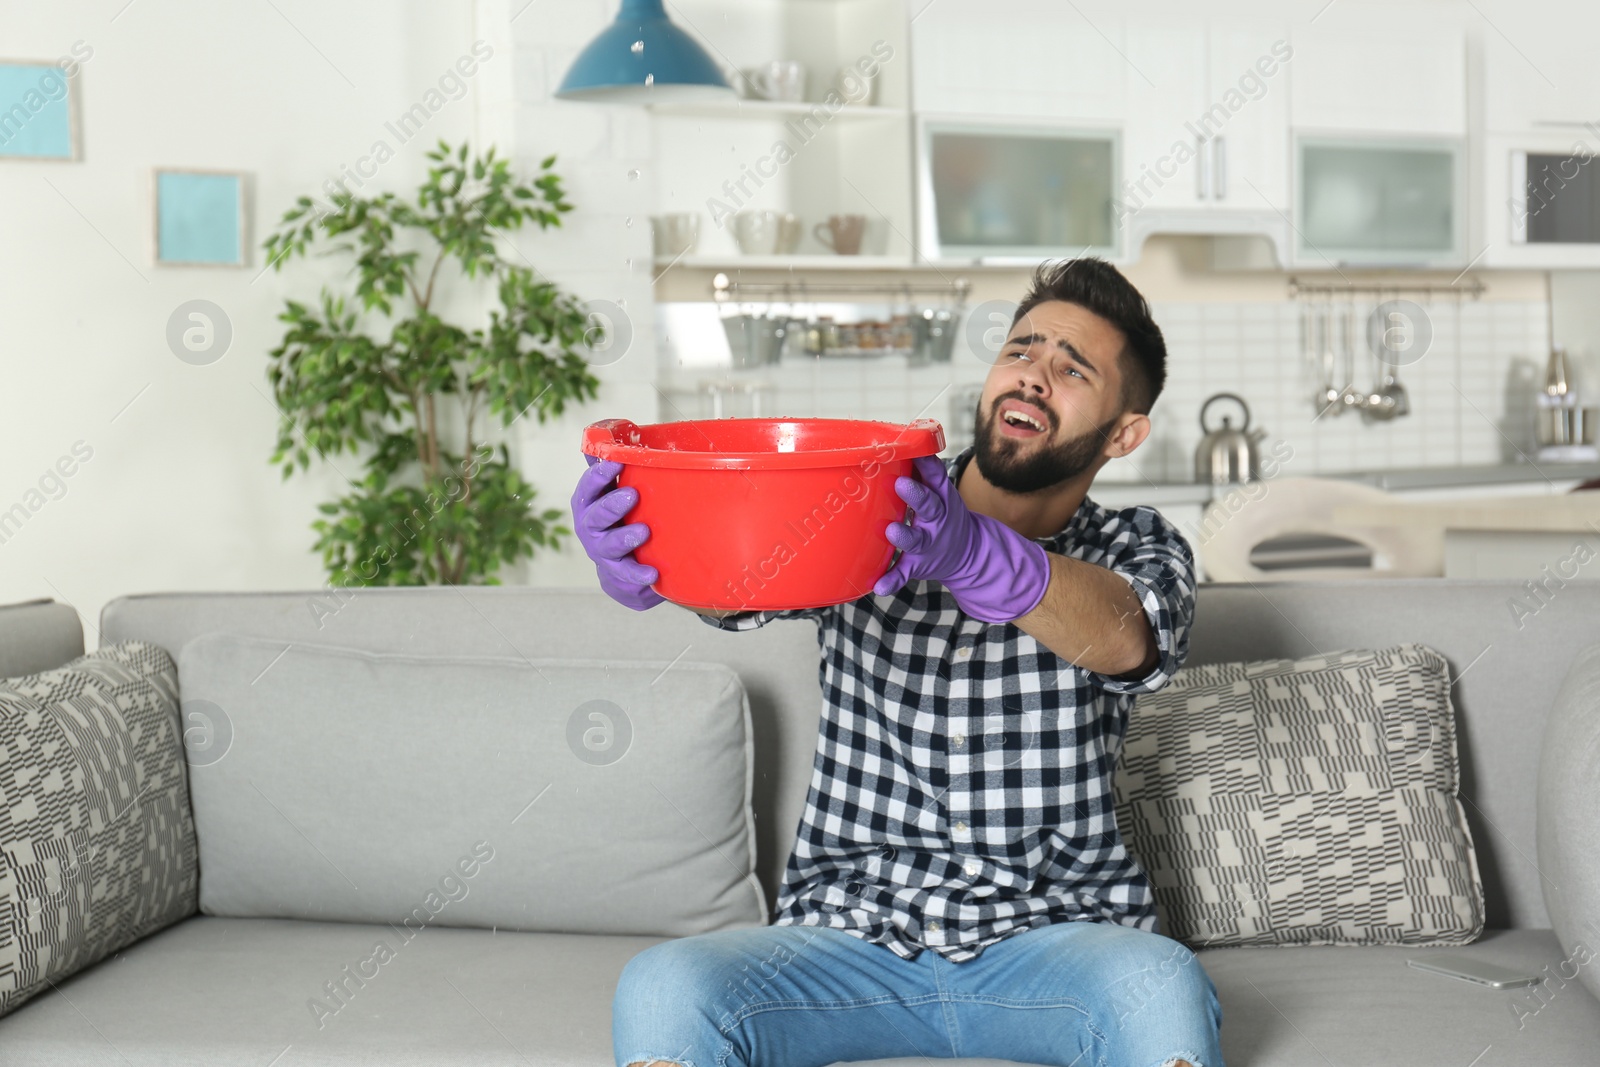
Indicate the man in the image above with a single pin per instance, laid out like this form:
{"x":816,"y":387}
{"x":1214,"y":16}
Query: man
{"x":958,"y":885}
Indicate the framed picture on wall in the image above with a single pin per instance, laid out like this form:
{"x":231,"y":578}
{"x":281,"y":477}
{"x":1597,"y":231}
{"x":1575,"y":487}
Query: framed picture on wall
{"x":200,"y":218}
{"x":38,"y":111}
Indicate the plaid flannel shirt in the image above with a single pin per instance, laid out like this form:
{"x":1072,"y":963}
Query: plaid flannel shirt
{"x":962,"y":787}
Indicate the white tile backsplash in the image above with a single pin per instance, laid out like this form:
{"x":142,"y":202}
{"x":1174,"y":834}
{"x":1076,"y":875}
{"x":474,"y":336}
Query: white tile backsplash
{"x":1458,"y":390}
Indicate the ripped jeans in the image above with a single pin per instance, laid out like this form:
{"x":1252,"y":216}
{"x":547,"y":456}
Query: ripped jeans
{"x":1073,"y":994}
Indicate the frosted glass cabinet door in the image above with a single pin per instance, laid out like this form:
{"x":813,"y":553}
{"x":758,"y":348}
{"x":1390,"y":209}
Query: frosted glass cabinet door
{"x":1367,"y":202}
{"x":999,"y":194}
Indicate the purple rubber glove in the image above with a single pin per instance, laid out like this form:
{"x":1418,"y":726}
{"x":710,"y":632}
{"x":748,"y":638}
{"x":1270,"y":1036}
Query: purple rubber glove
{"x":595,"y":514}
{"x":994,"y":573}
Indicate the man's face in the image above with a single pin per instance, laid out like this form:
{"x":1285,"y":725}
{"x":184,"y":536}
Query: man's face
{"x":1061,"y":366}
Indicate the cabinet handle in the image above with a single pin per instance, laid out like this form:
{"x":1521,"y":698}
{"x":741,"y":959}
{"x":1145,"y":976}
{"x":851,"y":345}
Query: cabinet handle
{"x":1202,"y":169}
{"x":1219,"y":155}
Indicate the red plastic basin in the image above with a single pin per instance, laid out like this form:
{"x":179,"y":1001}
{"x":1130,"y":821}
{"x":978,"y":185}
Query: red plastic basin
{"x":749,"y":514}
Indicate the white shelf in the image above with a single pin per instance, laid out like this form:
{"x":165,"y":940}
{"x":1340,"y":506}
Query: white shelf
{"x":773,"y":110}
{"x":790,"y":262}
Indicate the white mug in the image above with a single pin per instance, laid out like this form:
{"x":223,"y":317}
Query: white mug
{"x":676,"y":234}
{"x":781,"y":79}
{"x":766,"y":233}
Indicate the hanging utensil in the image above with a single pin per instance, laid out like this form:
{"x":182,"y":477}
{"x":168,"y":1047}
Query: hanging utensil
{"x":1311,"y":351}
{"x":1349,"y":396}
{"x":1390,"y":400}
{"x":1328,"y":399}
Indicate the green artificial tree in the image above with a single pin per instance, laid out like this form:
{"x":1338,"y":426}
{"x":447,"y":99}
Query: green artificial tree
{"x":385,"y":375}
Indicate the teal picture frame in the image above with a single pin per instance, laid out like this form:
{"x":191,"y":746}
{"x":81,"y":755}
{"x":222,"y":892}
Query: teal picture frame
{"x":200,"y":218}
{"x":38,"y":111}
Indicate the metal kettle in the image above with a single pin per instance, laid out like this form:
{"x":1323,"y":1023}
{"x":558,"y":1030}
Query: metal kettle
{"x":1228,"y":455}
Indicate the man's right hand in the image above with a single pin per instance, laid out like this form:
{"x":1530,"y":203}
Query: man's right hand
{"x":595,"y":514}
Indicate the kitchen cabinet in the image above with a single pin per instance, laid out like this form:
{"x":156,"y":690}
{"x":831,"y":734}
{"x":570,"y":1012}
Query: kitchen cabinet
{"x":1207,"y":118}
{"x":1547,"y":81}
{"x":1249,"y":75}
{"x":1360,"y":69}
{"x":1207,"y":131}
{"x":1166,"y":152}
{"x":1379,"y":119}
{"x":1020,"y":59}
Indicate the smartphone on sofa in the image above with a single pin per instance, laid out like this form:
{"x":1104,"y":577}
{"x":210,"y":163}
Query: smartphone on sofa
{"x":1469,"y":969}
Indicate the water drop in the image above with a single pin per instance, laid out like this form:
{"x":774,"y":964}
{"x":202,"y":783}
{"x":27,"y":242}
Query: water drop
{"x":627,"y":220}
{"x":633,"y":175}
{"x":638,"y":48}
{"x":649,"y":80}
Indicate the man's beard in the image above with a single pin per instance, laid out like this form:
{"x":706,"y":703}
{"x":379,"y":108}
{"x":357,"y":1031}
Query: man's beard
{"x":1004,"y":463}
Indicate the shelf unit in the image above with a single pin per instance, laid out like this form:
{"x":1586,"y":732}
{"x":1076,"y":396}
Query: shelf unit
{"x":824,"y":261}
{"x":771,"y":109}
{"x":806,"y":158}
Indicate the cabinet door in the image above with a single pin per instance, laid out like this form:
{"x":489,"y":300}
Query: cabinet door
{"x":1249,"y":80}
{"x":1545,"y":80}
{"x":1208,"y":116}
{"x":1024,"y":58}
{"x":1374,"y":201}
{"x":1381,"y":77}
{"x":1166,"y":82}
{"x":1016,"y":191}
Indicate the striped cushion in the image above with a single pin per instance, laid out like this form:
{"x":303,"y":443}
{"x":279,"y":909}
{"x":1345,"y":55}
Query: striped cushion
{"x":1304,"y":802}
{"x":97,"y":843}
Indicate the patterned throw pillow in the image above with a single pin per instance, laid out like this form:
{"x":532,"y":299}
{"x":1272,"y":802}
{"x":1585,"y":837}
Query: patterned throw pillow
{"x":1303,"y":802}
{"x":97,"y":843}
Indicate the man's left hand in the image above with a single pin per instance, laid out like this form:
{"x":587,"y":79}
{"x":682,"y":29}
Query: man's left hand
{"x":994,"y":573}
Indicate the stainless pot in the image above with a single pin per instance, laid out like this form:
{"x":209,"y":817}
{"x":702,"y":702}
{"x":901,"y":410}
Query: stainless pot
{"x":1226,"y":454}
{"x":755,"y":340}
{"x":935,"y":336}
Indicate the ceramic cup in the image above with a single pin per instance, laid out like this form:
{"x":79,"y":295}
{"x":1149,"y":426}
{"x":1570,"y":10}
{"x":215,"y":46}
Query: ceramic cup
{"x":766,"y":233}
{"x":855,"y":87}
{"x":676,"y":234}
{"x":842,"y":233}
{"x":782,"y":79}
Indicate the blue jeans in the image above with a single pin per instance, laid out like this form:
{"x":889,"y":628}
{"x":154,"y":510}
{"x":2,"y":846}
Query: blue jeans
{"x":1084,"y":994}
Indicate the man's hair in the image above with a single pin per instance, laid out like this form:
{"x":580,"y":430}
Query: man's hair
{"x":1098,"y":287}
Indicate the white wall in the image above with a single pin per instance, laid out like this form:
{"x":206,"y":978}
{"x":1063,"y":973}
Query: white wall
{"x":178,"y":493}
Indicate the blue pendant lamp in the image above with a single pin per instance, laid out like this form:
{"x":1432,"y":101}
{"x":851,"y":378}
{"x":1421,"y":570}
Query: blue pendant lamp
{"x":643,"y":58}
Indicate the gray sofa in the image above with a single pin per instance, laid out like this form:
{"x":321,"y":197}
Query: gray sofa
{"x":212,"y":990}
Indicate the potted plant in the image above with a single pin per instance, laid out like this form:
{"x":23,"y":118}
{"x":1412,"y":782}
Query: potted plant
{"x":379,"y":371}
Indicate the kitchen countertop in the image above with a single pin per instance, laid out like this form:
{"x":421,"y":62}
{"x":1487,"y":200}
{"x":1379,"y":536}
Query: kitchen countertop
{"x":1572,"y":512}
{"x":1393,"y":479}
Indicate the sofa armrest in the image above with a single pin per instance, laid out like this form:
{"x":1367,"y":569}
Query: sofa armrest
{"x":1568,"y":816}
{"x":38,"y":635}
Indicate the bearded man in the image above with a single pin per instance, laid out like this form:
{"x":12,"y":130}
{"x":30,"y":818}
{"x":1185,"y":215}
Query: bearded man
{"x":958,"y":885}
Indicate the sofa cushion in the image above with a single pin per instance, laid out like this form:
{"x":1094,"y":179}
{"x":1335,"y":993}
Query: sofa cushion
{"x":211,"y":992}
{"x":1303,"y":802}
{"x":1569,"y":817}
{"x":532,"y":794}
{"x":97,"y":847}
